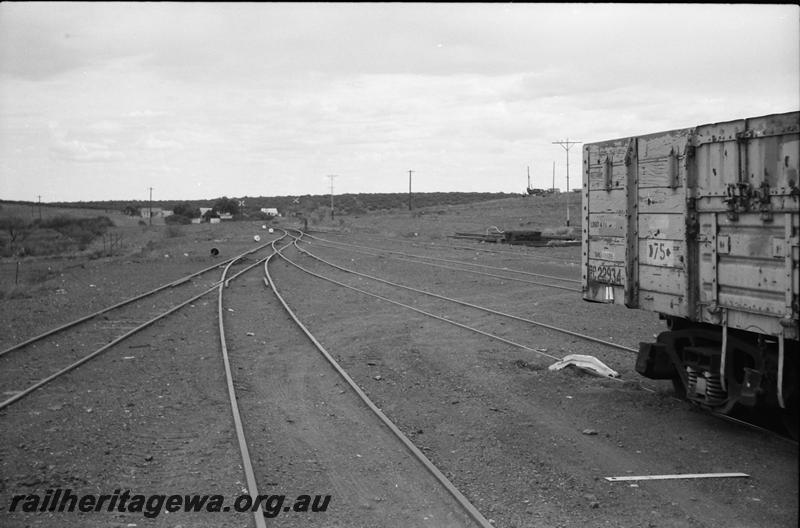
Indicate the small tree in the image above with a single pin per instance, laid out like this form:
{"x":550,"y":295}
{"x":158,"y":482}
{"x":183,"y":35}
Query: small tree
{"x":227,"y":205}
{"x":187,"y":210}
{"x":132,"y":210}
{"x":177,"y":220}
{"x":209,"y":215}
{"x":16,"y":228}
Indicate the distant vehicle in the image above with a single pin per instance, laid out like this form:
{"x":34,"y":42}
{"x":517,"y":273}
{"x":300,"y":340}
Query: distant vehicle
{"x":541,"y":192}
{"x":535,"y":192}
{"x":701,"y":226}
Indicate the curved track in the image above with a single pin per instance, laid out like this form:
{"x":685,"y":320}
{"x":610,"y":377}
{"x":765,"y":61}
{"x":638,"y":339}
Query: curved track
{"x":31,"y":359}
{"x":266,"y":390}
{"x":220,"y":285}
{"x":234,"y":377}
{"x":772,"y":430}
{"x":471,"y":305}
{"x":433,"y":470}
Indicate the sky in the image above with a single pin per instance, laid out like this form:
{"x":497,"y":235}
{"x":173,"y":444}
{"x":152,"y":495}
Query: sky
{"x":103,"y":101}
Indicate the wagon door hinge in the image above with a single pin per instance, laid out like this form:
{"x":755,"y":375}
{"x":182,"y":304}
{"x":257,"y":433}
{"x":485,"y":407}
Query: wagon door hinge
{"x":737,"y":197}
{"x":763,"y":200}
{"x":673,"y":170}
{"x":692,"y":225}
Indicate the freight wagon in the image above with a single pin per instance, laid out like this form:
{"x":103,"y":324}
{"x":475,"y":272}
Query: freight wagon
{"x":701,"y":226}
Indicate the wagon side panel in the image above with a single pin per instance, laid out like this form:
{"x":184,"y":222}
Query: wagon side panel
{"x":747,"y":207}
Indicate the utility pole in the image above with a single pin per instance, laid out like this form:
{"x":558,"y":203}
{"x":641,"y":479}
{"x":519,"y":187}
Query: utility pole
{"x":567,"y":144}
{"x":529,"y":176}
{"x":409,"y":189}
{"x":332,"y":176}
{"x":151,"y":206}
{"x":553,"y":188}
{"x":40,"y":207}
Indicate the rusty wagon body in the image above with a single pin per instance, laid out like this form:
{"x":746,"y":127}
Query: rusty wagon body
{"x":701,"y":226}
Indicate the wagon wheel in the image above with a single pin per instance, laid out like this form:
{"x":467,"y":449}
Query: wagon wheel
{"x":677,"y":340}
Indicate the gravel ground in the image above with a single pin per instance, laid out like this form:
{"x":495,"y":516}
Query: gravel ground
{"x":529,"y":447}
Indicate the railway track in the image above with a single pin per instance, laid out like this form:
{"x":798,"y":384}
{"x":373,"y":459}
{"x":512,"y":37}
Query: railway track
{"x":484,"y":309}
{"x":327,"y":447}
{"x":22,"y":364}
{"x":435,"y":496}
{"x":330,"y":406}
{"x":422,"y":260}
{"x":115,"y":421}
{"x":458,"y":375}
{"x":294,"y":383}
{"x":775,"y":429}
{"x":523,"y":255}
{"x":405,"y":256}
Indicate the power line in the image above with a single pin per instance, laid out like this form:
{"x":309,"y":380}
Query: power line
{"x":567,"y":144}
{"x":332,"y":176}
{"x":409,"y":188}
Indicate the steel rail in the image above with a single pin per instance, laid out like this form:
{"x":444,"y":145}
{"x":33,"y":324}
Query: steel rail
{"x":450,"y":260}
{"x":18,"y":396}
{"x":753,"y":427}
{"x":516,"y":279}
{"x":417,"y":310}
{"x":432,"y":469}
{"x":252,"y":486}
{"x":99,"y":351}
{"x":519,"y":255}
{"x":120,"y":304}
{"x":720,"y":416}
{"x":725,"y":417}
{"x":475,"y":306}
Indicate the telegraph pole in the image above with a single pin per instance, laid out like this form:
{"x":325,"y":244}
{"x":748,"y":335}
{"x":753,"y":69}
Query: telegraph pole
{"x":409,"y":189}
{"x":40,"y":207}
{"x":151,"y":206}
{"x":332,"y":176}
{"x":567,"y":144}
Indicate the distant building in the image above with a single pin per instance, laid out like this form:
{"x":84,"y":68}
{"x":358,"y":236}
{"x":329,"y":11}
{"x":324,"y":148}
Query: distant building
{"x":204,"y":210}
{"x":213,"y":220}
{"x":158,"y":212}
{"x":269,"y":211}
{"x":225,"y":216}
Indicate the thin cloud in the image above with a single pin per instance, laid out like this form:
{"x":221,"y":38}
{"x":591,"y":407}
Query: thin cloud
{"x":243,"y":98}
{"x":64,"y":146}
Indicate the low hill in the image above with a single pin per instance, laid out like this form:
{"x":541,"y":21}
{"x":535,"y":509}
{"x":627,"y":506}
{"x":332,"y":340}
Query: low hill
{"x":305,"y":204}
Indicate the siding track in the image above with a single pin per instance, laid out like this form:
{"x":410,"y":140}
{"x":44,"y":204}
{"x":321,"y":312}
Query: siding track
{"x":766,"y":428}
{"x":39,"y":362}
{"x":452,"y":261}
{"x":460,"y":302}
{"x":296,"y":364}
